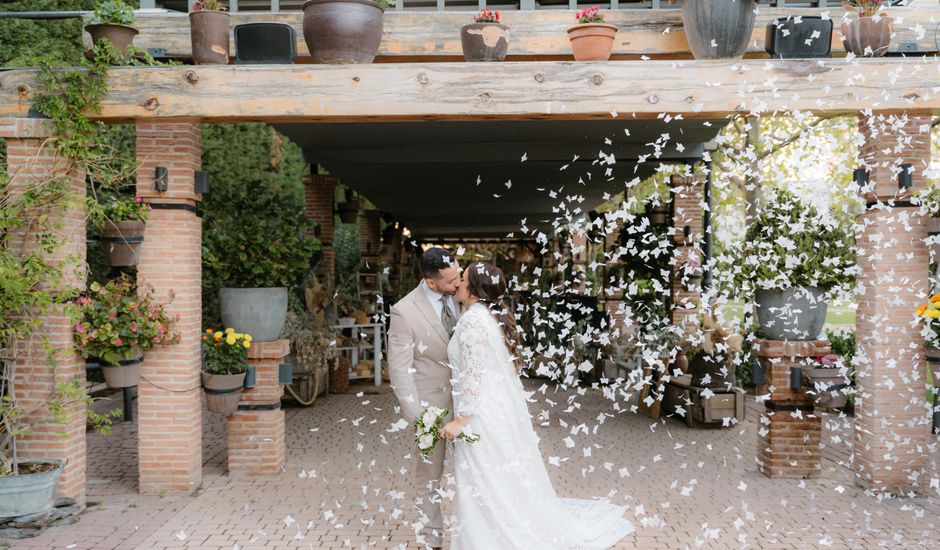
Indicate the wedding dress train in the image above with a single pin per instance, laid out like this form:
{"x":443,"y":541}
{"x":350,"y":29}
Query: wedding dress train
{"x":504,"y":497}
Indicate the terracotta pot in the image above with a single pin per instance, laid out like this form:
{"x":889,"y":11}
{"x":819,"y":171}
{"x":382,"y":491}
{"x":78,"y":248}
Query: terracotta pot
{"x":681,"y":362}
{"x":484,"y":41}
{"x":122,"y":242}
{"x":718,"y":29}
{"x":121,"y":36}
{"x":864,"y":32}
{"x":125,"y":375}
{"x":223,"y":391}
{"x":209,"y":32}
{"x":592,"y":41}
{"x":343,"y":31}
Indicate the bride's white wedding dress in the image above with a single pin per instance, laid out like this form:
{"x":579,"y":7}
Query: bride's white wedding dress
{"x":504,"y":497}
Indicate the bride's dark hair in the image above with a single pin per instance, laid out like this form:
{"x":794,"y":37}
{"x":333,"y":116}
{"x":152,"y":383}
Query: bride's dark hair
{"x":488,"y":283}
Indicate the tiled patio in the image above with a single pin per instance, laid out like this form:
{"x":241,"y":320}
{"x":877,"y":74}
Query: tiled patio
{"x":346,"y":485}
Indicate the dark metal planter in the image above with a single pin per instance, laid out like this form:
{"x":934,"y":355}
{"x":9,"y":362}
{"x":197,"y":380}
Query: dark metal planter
{"x":343,"y":31}
{"x":718,"y":29}
{"x":484,"y":41}
{"x":792,"y":314}
{"x":209,"y":32}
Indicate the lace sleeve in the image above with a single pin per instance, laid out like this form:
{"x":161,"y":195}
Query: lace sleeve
{"x":476,"y":355}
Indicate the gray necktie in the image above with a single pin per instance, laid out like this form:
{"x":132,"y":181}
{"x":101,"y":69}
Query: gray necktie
{"x":447,"y":317}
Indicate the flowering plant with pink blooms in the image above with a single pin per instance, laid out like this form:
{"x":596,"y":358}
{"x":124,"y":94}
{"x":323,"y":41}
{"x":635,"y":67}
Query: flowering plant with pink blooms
{"x":487,"y":16}
{"x":116,"y":323}
{"x":867,"y":8}
{"x":125,"y":210}
{"x":589,"y":15}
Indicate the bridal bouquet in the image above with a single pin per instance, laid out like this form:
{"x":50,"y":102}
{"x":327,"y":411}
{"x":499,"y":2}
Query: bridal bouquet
{"x":428,"y":426}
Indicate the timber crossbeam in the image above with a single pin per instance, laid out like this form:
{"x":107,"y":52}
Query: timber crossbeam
{"x":521,"y":90}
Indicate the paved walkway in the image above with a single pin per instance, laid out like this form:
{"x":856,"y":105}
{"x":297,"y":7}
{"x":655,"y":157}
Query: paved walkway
{"x":346,"y":485}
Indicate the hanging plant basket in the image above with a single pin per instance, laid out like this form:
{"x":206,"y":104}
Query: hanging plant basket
{"x":343,"y":31}
{"x":592,"y":41}
{"x":718,"y":29}
{"x":867,"y":37}
{"x":484,"y":41}
{"x":122,"y":242}
{"x":124,"y":375}
{"x":223,"y":391}
{"x":209,"y":33}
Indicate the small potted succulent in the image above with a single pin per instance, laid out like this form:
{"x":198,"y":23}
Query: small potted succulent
{"x":116,"y":324}
{"x":113,"y":20}
{"x":868,"y":35}
{"x":828,"y":378}
{"x":122,"y":230}
{"x":209,"y":32}
{"x":486,"y":39}
{"x":591,"y":38}
{"x":225,"y":363}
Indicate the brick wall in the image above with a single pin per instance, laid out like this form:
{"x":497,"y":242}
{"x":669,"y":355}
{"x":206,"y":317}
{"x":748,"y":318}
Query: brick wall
{"x":370,"y":222}
{"x":318,"y":205}
{"x":170,"y":396}
{"x":687,"y":199}
{"x":893,"y":138}
{"x":32,"y":159}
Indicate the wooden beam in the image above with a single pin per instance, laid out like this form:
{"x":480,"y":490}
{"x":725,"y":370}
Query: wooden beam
{"x":431,"y":36}
{"x":528,"y":90}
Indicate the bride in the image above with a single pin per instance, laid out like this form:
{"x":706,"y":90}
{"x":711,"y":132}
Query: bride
{"x":504,"y":498}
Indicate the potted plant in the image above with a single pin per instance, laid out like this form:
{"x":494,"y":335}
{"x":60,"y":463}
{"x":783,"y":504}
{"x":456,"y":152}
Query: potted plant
{"x":718,"y":29}
{"x":113,"y":20}
{"x":348,"y":210}
{"x":122,"y":234}
{"x":209,"y":32}
{"x":793,"y":257}
{"x":344,"y":31}
{"x":869,"y":35}
{"x":486,"y":39}
{"x":116,"y":324}
{"x":713,"y":347}
{"x":225,"y":362}
{"x":828,"y":378}
{"x":591,"y":38}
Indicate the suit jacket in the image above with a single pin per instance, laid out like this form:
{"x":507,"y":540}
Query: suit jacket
{"x":417,"y":355}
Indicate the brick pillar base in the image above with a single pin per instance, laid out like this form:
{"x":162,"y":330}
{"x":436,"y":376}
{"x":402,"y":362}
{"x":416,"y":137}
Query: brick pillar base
{"x":31,"y":161}
{"x":257,"y":443}
{"x":789,"y":434}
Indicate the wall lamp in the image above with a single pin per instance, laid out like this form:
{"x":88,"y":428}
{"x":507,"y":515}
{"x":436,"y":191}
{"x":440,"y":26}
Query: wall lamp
{"x":861,"y":177}
{"x":905,"y":177}
{"x":161,"y":180}
{"x":201,"y":181}
{"x":796,"y":377}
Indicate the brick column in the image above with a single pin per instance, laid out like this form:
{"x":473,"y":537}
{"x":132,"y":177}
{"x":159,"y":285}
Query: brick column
{"x":687,"y":200}
{"x":892,"y":418}
{"x":257,"y":443}
{"x":789,"y":433}
{"x":32,"y":160}
{"x":370,"y":222}
{"x":170,"y":396}
{"x":318,"y":205}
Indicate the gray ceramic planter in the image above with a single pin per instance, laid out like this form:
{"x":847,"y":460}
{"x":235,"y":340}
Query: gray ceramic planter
{"x":26,"y":494}
{"x":792,"y":314}
{"x":259,"y":312}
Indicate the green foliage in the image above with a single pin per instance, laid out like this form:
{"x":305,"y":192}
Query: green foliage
{"x":113,"y":12}
{"x":346,"y":245}
{"x":791,"y":244}
{"x":225,"y":352}
{"x":254,"y":228}
{"x":116,"y":323}
{"x":119,"y":208}
{"x":27,"y":41}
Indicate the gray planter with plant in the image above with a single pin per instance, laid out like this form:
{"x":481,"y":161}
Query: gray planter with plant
{"x":793,"y":258}
{"x":33,"y":490}
{"x":259,"y":312}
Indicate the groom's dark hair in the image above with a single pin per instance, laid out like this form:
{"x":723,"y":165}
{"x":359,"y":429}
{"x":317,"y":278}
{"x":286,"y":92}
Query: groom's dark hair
{"x":433,"y":260}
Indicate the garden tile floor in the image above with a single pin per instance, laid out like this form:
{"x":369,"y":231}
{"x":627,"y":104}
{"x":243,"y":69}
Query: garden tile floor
{"x":344,"y":487}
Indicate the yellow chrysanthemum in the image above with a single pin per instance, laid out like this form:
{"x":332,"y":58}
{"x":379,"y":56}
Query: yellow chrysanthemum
{"x":230,"y":340}
{"x":246,"y":344}
{"x":208,"y":331}
{"x":933,"y":313}
{"x":921,"y":310}
{"x":248,"y":338}
{"x":229,"y":330}
{"x":935,"y":298}
{"x":217,"y":335}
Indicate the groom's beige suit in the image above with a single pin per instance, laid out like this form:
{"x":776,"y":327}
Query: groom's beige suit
{"x":417,"y":360}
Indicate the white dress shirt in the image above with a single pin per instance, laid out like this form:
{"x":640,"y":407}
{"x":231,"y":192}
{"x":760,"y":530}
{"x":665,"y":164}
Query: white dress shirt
{"x":435,"y":298}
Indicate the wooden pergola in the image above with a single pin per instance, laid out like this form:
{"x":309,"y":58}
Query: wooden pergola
{"x":417,"y":78}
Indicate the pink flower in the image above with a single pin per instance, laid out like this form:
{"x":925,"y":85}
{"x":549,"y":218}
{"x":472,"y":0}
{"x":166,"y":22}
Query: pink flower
{"x":80,"y":328}
{"x":118,"y":342}
{"x":133,"y":327}
{"x":138,"y":200}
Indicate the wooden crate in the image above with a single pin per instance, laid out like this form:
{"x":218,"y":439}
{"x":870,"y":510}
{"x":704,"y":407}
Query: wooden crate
{"x":699,"y":411}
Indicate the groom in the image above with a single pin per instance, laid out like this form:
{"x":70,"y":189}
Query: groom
{"x":419,"y":330}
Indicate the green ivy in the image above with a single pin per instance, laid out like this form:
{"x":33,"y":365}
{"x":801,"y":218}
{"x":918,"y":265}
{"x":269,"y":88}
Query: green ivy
{"x":112,"y":12}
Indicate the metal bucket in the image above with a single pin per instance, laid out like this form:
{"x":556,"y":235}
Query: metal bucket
{"x":26,"y":494}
